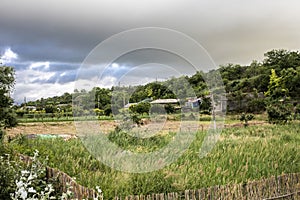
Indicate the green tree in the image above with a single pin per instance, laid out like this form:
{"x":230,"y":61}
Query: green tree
{"x":282,"y":59}
{"x":278,"y":111}
{"x":291,"y":81}
{"x":276,"y":89}
{"x":7,"y":80}
{"x":140,"y":108}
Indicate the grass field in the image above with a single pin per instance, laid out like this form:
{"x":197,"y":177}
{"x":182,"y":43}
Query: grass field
{"x":241,"y":154}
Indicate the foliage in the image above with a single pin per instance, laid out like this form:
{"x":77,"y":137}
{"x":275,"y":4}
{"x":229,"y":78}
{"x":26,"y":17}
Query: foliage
{"x":28,"y":181}
{"x":245,"y":118}
{"x":170,"y":108}
{"x":99,"y":112}
{"x":140,"y":108}
{"x":136,"y":144}
{"x":241,"y":155}
{"x":276,"y":89}
{"x":7,"y":115}
{"x":282,"y":59}
{"x":279,"y":112}
{"x":32,"y":184}
{"x":156,"y":90}
{"x":297,"y":111}
{"x":107,"y":110}
{"x":240,"y":82}
{"x":9,"y":172}
{"x":257,"y":105}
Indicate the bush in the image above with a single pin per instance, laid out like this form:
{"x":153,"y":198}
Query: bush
{"x":30,"y":181}
{"x":170,"y":108}
{"x":256,"y":106}
{"x":296,"y":112}
{"x":9,"y":171}
{"x":140,"y":108}
{"x":245,"y":118}
{"x":278,"y":112}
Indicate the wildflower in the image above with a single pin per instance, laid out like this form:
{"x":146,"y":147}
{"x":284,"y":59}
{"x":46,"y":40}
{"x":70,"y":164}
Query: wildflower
{"x":23,"y":194}
{"x":31,"y":190}
{"x":19,"y":183}
{"x":98,"y":189}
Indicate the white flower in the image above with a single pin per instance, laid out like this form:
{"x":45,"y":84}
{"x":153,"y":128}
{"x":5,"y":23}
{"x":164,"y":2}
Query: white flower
{"x":19,"y":183}
{"x":31,"y":177}
{"x":98,"y":189}
{"x":23,"y":194}
{"x":69,"y":193}
{"x":23,"y":172}
{"x":31,"y":190}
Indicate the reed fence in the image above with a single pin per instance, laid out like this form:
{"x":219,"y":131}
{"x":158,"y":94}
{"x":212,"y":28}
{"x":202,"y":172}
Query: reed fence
{"x":79,"y":191}
{"x":286,"y":186}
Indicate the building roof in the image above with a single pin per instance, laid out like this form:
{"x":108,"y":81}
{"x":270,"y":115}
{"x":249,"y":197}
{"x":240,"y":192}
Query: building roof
{"x":129,"y":104}
{"x":164,"y":101}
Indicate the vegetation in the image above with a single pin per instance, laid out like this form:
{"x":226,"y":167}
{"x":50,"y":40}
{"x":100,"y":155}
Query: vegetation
{"x":250,"y":89}
{"x":241,"y":155}
{"x":7,"y":116}
{"x":28,"y":180}
{"x":246,"y":118}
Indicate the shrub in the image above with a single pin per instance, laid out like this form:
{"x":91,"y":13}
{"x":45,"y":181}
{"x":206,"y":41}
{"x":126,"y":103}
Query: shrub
{"x":245,"y":118}
{"x":9,"y":171}
{"x":19,"y":180}
{"x":140,"y":108}
{"x":278,"y":112}
{"x":256,"y":106}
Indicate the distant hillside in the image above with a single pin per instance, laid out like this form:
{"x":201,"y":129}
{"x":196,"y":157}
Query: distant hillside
{"x":245,"y":85}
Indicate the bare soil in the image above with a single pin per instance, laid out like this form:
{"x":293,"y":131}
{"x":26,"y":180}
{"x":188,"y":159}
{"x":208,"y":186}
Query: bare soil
{"x":69,"y":128}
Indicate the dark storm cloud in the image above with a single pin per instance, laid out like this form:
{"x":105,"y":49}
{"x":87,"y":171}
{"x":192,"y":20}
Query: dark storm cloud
{"x":63,"y":33}
{"x":67,"y":31}
{"x":156,"y":58}
{"x":37,"y":43}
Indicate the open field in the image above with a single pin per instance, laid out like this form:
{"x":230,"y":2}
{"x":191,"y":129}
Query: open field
{"x":68,"y":127}
{"x":241,"y":154}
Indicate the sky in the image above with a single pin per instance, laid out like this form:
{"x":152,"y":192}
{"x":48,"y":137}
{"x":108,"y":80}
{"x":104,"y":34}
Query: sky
{"x":49,"y":42}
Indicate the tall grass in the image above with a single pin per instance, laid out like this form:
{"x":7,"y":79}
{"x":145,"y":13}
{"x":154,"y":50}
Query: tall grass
{"x":241,"y":154}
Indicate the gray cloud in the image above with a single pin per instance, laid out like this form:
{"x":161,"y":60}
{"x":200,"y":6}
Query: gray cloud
{"x":64,"y":32}
{"x":68,"y":31}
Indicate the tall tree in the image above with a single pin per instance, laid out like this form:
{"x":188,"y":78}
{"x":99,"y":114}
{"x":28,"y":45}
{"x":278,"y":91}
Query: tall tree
{"x":282,"y":59}
{"x":276,"y":87}
{"x":7,"y":79}
{"x":278,"y":111}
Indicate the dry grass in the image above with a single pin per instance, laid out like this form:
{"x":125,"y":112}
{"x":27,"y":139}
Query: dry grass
{"x":69,"y":128}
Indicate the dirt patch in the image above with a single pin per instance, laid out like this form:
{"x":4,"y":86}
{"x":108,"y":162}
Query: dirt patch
{"x":43,"y":128}
{"x":69,"y":128}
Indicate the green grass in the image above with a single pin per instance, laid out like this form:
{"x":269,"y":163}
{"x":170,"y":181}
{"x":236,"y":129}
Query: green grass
{"x":241,"y":154}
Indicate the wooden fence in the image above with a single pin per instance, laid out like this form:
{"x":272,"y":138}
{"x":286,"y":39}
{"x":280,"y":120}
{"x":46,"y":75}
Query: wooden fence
{"x":286,"y":186}
{"x":79,"y":191}
{"x":275,"y":188}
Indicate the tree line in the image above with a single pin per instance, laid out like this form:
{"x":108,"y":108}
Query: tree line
{"x":255,"y":88}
